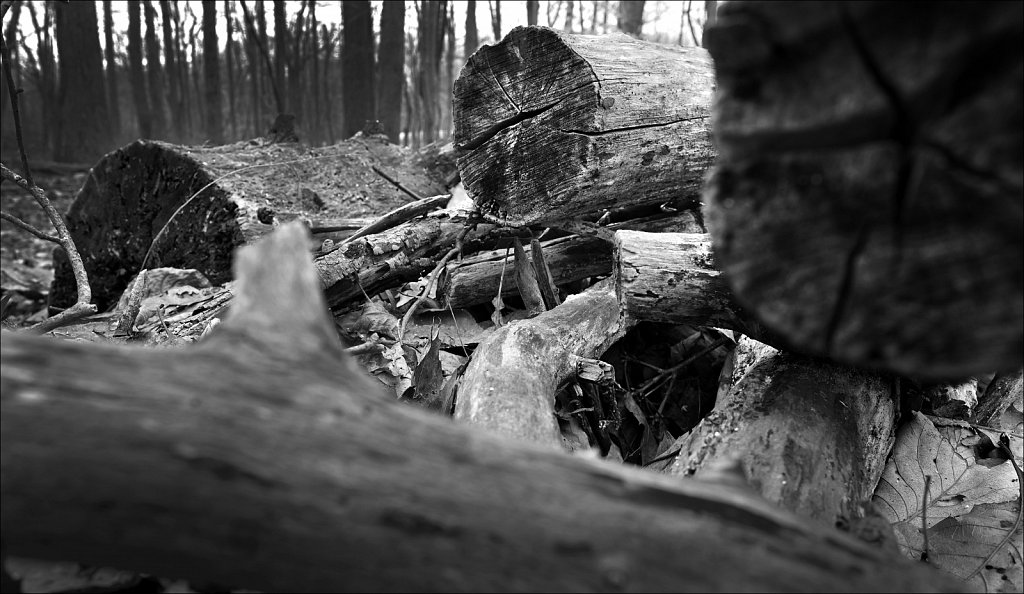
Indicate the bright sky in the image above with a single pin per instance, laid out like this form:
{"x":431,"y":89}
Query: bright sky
{"x":662,"y":19}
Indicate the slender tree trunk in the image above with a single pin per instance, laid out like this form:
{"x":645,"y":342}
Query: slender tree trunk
{"x":495,"y":19}
{"x":211,"y":74}
{"x":265,"y":78}
{"x":449,"y":79}
{"x":84,"y":122}
{"x":391,"y":68}
{"x":315,"y":131}
{"x":112,"y":95}
{"x":328,"y":36}
{"x":532,"y":9}
{"x":357,"y":65}
{"x":604,"y":18}
{"x":281,"y":52}
{"x":431,"y":40}
{"x":171,"y":68}
{"x":230,"y":63}
{"x":136,"y":74}
{"x":473,"y":38}
{"x":154,"y":73}
{"x":569,"y":14}
{"x":711,"y":8}
{"x":631,"y":17}
{"x":593,"y":18}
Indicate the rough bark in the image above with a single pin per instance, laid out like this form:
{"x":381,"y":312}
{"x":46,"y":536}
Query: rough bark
{"x":559,"y":125}
{"x":475,"y":279}
{"x":472,"y":40}
{"x":810,"y":435}
{"x":671,"y":278}
{"x":134,"y":192}
{"x":113,"y":100}
{"x":882,"y":230}
{"x":1004,"y":390}
{"x":262,"y":459}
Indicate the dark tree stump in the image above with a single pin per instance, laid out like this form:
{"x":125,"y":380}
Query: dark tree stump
{"x":134,"y":192}
{"x":867,"y":202}
{"x":559,"y":125}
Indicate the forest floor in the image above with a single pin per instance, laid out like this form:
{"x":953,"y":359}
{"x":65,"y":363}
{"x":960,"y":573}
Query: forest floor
{"x":26,"y":262}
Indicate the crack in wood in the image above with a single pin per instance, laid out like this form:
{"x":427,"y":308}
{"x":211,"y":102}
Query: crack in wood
{"x":494,"y":129}
{"x":631,"y":128}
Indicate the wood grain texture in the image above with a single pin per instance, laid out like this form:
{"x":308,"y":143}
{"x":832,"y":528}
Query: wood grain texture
{"x":867,"y":203}
{"x":261,"y":458}
{"x":558,"y":125}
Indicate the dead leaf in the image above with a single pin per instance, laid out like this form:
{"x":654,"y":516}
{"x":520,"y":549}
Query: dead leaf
{"x":967,"y":499}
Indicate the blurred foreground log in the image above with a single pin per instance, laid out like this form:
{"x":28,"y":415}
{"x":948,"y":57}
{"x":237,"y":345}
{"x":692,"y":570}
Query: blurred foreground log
{"x":884,"y":229}
{"x":559,"y":125}
{"x":260,"y":458}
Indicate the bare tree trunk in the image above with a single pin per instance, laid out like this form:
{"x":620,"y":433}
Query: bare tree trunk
{"x":532,"y":9}
{"x":391,"y":68}
{"x":495,"y":19}
{"x":570,"y":14}
{"x":211,"y":74}
{"x":84,"y":122}
{"x":154,"y":73}
{"x":281,"y":54}
{"x":230,"y":59}
{"x":431,"y":41}
{"x":357,"y":65}
{"x":172,"y":70}
{"x":631,"y":17}
{"x":473,"y":38}
{"x":711,"y":8}
{"x":112,"y":95}
{"x":136,"y":75}
{"x":316,"y":131}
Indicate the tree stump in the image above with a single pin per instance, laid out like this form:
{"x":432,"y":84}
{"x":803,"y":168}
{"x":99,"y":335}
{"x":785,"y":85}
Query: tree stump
{"x":867,"y":200}
{"x":192,"y":206}
{"x":559,"y":125}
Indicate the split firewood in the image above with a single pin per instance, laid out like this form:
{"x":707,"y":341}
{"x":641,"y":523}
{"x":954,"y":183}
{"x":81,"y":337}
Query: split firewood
{"x":558,"y":125}
{"x":261,"y":459}
{"x":809,"y":435}
{"x":152,"y":204}
{"x":883,"y":229}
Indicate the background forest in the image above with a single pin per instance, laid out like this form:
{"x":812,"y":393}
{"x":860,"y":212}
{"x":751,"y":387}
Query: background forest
{"x":96,"y":75}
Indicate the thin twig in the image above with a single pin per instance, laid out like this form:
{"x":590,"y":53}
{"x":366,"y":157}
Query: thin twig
{"x":396,"y":183}
{"x":399,"y":215}
{"x":20,"y":223}
{"x":671,"y":370}
{"x":432,"y":280}
{"x":13,"y":93}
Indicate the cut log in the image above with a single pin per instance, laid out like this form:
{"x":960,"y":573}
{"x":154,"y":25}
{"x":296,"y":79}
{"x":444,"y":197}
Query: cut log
{"x":810,"y":435}
{"x":191,"y":206}
{"x":882,"y":229}
{"x":671,"y":278}
{"x":559,"y":125}
{"x":476,"y":279}
{"x":260,"y":458}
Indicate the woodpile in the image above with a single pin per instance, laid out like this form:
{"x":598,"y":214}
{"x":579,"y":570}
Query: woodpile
{"x":262,"y":457}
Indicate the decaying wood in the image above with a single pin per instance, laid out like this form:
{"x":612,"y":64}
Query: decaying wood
{"x":671,"y":278}
{"x":1004,"y":390}
{"x":189,"y":207}
{"x":509,"y":386}
{"x":261,"y":459}
{"x":883,"y":229}
{"x":558,"y":125}
{"x":373,"y":263}
{"x":810,"y":435}
{"x":476,"y":278}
